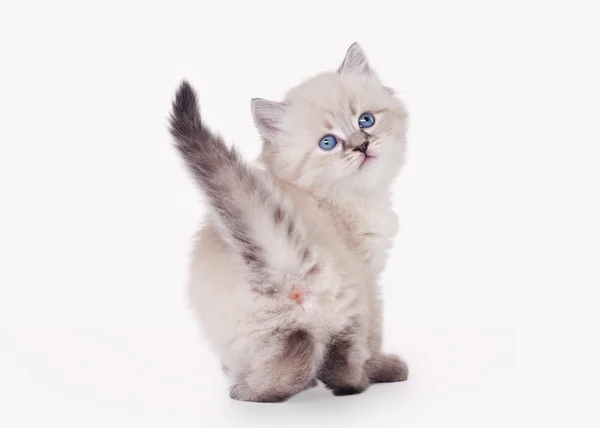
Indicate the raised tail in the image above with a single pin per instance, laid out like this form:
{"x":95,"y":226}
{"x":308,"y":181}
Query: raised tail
{"x":250,"y":210}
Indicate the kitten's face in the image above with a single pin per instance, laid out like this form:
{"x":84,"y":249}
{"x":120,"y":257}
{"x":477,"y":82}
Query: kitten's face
{"x":337,"y":131}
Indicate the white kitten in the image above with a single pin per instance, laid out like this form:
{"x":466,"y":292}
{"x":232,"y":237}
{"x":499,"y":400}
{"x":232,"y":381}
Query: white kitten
{"x":285,"y":272}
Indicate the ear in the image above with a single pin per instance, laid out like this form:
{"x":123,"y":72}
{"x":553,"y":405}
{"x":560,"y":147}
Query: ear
{"x":269,"y":117}
{"x":355,"y":62}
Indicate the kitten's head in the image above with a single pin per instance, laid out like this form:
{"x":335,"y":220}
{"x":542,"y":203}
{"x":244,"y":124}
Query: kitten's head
{"x":335,"y":132}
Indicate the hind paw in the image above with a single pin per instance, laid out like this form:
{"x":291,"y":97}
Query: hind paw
{"x":386,"y":368}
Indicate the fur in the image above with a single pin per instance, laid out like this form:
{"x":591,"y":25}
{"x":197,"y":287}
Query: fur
{"x":284,"y":278}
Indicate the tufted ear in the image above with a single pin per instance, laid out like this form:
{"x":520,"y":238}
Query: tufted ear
{"x":355,"y":62}
{"x":268,"y":117}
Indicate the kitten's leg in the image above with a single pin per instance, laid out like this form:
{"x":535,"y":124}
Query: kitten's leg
{"x":343,"y":369}
{"x":375,"y":318}
{"x":381,"y":367}
{"x":281,"y":372}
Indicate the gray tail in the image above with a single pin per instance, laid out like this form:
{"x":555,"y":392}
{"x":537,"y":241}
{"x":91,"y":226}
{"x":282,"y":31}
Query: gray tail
{"x":204,"y":151}
{"x":251,"y":211}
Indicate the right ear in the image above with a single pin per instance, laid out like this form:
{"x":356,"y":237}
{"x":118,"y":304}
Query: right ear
{"x":269,"y":117}
{"x":355,"y":62}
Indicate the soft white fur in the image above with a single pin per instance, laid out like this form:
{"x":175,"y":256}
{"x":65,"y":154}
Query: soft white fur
{"x":347,"y":214}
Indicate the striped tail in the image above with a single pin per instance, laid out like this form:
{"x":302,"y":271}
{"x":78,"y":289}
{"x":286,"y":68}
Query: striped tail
{"x":249,"y":208}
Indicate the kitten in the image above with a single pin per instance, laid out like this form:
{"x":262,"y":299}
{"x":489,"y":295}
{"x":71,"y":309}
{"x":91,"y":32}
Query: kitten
{"x":284,"y":277}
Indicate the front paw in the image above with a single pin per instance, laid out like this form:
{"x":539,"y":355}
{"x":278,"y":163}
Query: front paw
{"x":342,"y":388}
{"x":386,"y":368}
{"x":348,"y":390}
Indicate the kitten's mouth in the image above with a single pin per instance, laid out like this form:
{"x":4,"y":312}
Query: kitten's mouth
{"x":366,"y":160}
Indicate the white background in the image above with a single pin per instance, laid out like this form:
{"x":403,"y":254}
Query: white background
{"x":491,"y":288}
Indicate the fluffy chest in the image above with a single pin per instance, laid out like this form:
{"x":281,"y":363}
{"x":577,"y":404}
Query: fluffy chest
{"x":368,"y":231}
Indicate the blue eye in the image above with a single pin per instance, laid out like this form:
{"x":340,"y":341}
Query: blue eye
{"x":328,"y":142}
{"x":366,"y":120}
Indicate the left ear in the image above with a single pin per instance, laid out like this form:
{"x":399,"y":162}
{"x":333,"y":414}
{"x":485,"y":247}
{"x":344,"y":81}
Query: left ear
{"x":269,"y":117}
{"x":355,"y":62}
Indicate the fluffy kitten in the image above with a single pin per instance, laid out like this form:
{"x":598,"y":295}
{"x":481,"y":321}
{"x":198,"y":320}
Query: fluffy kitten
{"x":285,"y":271}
